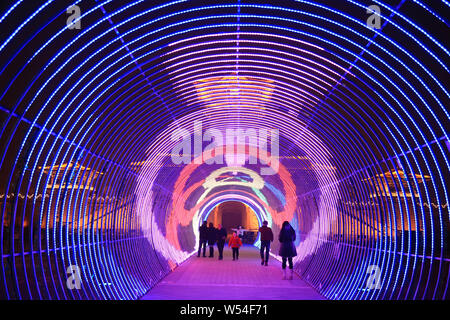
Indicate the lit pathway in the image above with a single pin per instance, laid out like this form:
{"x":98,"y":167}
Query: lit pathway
{"x":244,"y":279}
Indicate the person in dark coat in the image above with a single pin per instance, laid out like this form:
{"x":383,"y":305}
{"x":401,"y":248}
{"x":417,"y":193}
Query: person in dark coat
{"x":203,"y":230}
{"x":221,"y":236}
{"x":212,"y":238}
{"x":266,"y":238}
{"x":287,"y":248}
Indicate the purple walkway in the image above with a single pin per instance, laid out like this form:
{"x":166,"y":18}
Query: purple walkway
{"x":211,"y":279}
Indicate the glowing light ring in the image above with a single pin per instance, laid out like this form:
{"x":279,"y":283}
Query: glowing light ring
{"x":105,"y":247}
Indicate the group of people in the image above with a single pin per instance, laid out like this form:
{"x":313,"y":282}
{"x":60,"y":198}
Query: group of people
{"x":209,"y":236}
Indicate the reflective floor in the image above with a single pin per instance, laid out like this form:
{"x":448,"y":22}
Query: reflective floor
{"x":211,"y":279}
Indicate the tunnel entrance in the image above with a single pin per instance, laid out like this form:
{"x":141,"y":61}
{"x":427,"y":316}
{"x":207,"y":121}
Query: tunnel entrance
{"x":231,"y":215}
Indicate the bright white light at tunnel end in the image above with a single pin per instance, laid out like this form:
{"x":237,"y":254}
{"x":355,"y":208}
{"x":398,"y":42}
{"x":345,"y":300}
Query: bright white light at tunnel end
{"x":299,"y":134}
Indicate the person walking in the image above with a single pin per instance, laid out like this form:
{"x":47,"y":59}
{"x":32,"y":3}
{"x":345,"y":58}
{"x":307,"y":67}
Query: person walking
{"x":221,"y":236}
{"x":287,"y":248}
{"x":266,"y":239}
{"x":203,"y":230}
{"x":212,"y":238}
{"x":235,"y":243}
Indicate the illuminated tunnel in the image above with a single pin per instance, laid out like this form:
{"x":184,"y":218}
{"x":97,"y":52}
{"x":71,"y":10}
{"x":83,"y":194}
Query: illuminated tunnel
{"x":123,"y":123}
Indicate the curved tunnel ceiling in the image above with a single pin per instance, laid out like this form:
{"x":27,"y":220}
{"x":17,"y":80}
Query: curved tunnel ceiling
{"x":347,"y":139}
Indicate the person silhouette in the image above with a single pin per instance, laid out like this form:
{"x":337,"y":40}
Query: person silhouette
{"x":266,"y":238}
{"x":212,"y":238}
{"x":221,"y":236}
